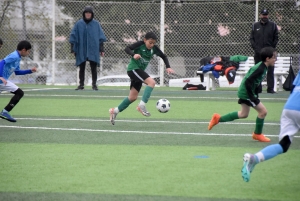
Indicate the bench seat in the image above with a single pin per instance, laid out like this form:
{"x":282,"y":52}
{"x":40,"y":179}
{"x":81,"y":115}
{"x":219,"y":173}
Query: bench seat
{"x":281,"y":69}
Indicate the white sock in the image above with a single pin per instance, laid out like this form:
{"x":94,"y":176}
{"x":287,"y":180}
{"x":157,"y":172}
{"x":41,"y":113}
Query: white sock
{"x":260,"y":156}
{"x":4,"y":110}
{"x":142,"y":103}
{"x":116,"y":110}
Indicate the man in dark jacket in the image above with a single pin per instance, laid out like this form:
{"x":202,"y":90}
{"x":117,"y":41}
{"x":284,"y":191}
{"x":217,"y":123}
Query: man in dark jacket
{"x":264,"y":34}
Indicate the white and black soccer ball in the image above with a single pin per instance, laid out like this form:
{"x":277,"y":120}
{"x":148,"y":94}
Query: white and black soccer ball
{"x":163,"y":105}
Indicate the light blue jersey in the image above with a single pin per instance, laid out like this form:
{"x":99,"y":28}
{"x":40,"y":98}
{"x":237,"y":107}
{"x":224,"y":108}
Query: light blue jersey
{"x":293,"y":102}
{"x":12,"y":64}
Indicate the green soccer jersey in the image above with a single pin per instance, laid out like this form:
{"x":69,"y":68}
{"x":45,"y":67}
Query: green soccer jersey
{"x":251,"y":81}
{"x":146,"y":55}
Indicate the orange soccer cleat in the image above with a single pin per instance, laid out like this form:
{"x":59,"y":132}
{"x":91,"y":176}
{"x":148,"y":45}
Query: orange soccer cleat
{"x":260,"y":137}
{"x":214,"y":121}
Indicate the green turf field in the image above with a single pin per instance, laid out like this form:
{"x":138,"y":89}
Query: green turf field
{"x":63,"y":147}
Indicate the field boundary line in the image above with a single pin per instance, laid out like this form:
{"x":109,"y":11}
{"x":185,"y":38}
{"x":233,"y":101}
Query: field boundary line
{"x":135,"y":132}
{"x":167,"y":97}
{"x":145,"y":121}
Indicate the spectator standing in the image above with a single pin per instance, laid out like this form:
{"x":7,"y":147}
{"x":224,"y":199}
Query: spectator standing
{"x":86,"y":40}
{"x":264,"y":33}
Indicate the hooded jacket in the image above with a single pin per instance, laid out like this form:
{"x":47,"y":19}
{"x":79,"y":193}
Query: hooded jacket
{"x":86,"y":37}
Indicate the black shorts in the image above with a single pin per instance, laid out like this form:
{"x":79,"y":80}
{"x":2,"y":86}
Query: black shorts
{"x":248,"y":102}
{"x":137,"y":77}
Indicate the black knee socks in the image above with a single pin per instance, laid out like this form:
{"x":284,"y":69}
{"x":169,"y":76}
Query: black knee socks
{"x":14,"y":100}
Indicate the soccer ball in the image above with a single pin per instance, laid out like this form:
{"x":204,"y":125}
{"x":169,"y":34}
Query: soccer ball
{"x":163,"y":105}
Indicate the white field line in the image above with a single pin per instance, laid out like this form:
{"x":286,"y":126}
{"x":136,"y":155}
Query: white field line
{"x":145,"y":121}
{"x":169,"y":97}
{"x":6,"y":92}
{"x":136,"y":132}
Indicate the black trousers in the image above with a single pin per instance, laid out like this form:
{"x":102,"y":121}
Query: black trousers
{"x":82,"y":73}
{"x":270,"y":74}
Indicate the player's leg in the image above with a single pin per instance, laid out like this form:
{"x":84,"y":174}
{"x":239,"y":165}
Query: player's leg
{"x":216,"y":118}
{"x":289,"y":126}
{"x":81,"y":76}
{"x":18,"y":94}
{"x":133,"y":94}
{"x":146,"y":95}
{"x":141,"y":76}
{"x":94,"y":75}
{"x":262,"y":113}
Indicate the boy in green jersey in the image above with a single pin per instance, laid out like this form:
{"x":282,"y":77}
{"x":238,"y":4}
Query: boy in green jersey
{"x":248,"y":96}
{"x":141,"y":52}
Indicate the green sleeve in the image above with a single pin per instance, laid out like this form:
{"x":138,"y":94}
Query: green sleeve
{"x":238,"y":58}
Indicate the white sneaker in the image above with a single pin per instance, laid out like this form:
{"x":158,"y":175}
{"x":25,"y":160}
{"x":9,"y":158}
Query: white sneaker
{"x":142,"y":109}
{"x":113,"y":115}
{"x":248,"y":166}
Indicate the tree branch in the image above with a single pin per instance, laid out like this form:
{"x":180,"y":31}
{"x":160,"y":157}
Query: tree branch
{"x":3,"y":14}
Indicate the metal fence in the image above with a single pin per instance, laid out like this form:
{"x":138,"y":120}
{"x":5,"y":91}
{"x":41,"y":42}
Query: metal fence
{"x":190,"y":30}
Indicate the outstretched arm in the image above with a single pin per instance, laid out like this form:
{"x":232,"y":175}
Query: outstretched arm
{"x":24,"y":72}
{"x":165,"y":59}
{"x":129,"y":49}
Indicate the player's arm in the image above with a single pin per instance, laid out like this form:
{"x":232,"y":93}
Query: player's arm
{"x":165,"y":59}
{"x":163,"y":56}
{"x":129,"y":49}
{"x":250,"y":81}
{"x":24,"y":72}
{"x":2,"y":63}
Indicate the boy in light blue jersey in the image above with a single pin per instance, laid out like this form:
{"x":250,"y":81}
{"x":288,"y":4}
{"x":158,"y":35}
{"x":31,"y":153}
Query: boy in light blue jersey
{"x":9,"y":65}
{"x":289,"y":126}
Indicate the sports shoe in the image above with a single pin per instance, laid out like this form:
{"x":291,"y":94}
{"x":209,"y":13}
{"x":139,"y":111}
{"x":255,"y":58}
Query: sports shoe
{"x":95,"y":88}
{"x":214,"y":121}
{"x":113,"y":115}
{"x":260,"y":137}
{"x":6,"y":116}
{"x":142,"y":109}
{"x":79,"y":87}
{"x":272,"y":92}
{"x":248,"y":166}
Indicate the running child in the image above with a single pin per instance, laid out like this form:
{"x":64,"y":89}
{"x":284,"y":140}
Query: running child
{"x":141,"y":52}
{"x":248,"y":96}
{"x":11,"y":64}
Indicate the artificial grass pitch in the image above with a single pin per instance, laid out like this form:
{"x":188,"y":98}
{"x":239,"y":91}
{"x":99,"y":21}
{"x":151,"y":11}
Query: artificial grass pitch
{"x":145,"y":170}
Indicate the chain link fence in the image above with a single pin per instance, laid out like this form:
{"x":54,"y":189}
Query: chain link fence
{"x":192,"y":30}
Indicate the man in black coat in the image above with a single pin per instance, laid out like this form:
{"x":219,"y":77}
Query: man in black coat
{"x":264,"y":33}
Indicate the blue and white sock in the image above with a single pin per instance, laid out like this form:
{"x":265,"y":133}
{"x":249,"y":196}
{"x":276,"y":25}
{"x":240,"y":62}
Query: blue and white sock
{"x":268,"y":152}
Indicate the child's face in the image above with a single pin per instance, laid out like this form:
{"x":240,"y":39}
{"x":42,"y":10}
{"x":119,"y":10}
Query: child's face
{"x":271,"y":61}
{"x":24,"y":53}
{"x":149,"y":43}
